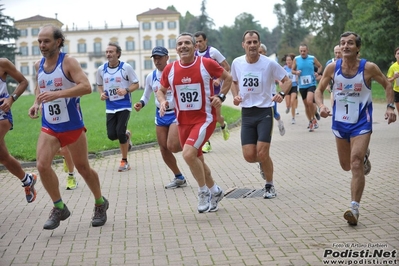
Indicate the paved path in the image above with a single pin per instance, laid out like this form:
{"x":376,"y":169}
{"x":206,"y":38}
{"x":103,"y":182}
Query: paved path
{"x":148,"y":225}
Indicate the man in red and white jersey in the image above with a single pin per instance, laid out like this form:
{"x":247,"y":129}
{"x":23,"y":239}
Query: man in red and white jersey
{"x":191,"y":79}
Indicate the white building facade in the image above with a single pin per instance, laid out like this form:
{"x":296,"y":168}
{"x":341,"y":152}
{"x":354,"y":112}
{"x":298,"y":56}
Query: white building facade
{"x":157,"y":27}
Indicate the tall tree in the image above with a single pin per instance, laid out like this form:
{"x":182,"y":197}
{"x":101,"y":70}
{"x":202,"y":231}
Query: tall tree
{"x":291,"y":25}
{"x":205,"y":22}
{"x":376,"y":21}
{"x":8,"y":33}
{"x":327,"y":20}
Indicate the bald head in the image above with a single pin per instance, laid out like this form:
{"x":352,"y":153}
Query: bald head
{"x":337,"y":52}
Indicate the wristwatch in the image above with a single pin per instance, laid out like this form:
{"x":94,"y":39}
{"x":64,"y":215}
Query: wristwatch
{"x":127,"y":90}
{"x":14,"y":97}
{"x":391,"y":105}
{"x":222,"y":97}
{"x":282,"y":94}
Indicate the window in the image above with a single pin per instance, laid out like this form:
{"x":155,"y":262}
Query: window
{"x":35,"y":31}
{"x":172,"y":43}
{"x":97,"y":48}
{"x":35,"y":50}
{"x":83,"y":65}
{"x":132,"y":63}
{"x":33,"y":70}
{"x":130,"y":46}
{"x":146,"y":26}
{"x":159,"y":25}
{"x":25,"y":70}
{"x":65,"y":49}
{"x":81,"y":48}
{"x":159,"y":42}
{"x":172,"y":25}
{"x":97,"y":64}
{"x":23,"y":33}
{"x":147,"y":45}
{"x":24,"y":51}
{"x":148,"y":64}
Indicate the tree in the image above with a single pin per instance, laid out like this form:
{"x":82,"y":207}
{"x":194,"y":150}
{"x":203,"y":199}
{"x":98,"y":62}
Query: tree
{"x":327,"y":20}
{"x":8,"y":33}
{"x":376,"y":23}
{"x":205,"y":22}
{"x":290,"y":21}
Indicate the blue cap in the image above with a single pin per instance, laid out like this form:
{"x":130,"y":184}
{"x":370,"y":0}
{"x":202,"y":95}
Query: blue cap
{"x":159,"y":50}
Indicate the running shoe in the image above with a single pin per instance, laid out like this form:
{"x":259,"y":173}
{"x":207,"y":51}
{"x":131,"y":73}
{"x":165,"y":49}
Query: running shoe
{"x":129,"y":134}
{"x":352,"y":216}
{"x":176,"y":183}
{"x":216,"y":198}
{"x":30,"y":191}
{"x":204,"y":201}
{"x":100,"y":214}
{"x":225,"y":132}
{"x":64,"y":165}
{"x":281,"y":128}
{"x":317,"y":115}
{"x":71,"y":182}
{"x":207,"y":147}
{"x":56,"y":215}
{"x":270,"y":192}
{"x":293,"y":121}
{"x":124,"y":166}
{"x":310,"y":126}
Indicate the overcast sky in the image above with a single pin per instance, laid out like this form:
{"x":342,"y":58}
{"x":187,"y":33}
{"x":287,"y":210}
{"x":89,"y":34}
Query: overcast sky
{"x":83,"y":12}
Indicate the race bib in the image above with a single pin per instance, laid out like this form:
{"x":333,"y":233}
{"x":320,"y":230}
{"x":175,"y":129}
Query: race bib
{"x":251,"y":82}
{"x":347,"y":109}
{"x":113,"y":95}
{"x":189,"y":97}
{"x":56,"y":111}
{"x":305,"y":80}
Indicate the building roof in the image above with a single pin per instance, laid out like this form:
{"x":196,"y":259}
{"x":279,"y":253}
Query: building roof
{"x":36,"y":18}
{"x":158,"y":11}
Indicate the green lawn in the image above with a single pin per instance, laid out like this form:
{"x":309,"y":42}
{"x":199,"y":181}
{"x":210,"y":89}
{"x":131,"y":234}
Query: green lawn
{"x":21,"y":141}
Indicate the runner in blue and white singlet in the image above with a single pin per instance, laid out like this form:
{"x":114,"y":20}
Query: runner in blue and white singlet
{"x":353,"y":108}
{"x":352,"y":113}
{"x":62,"y":114}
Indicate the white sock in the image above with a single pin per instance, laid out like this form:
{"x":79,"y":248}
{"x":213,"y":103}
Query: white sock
{"x":203,"y":189}
{"x":355,"y":205}
{"x":214,"y":189}
{"x":27,"y":180}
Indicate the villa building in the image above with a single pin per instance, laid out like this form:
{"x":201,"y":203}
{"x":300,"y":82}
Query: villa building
{"x":156,"y":27}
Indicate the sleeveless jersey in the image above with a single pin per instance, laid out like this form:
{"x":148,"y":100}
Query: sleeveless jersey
{"x":192,"y":86}
{"x":152,"y":84}
{"x":114,"y":78}
{"x":63,"y":114}
{"x":213,"y":53}
{"x":307,"y":78}
{"x":291,"y":76}
{"x":352,"y":110}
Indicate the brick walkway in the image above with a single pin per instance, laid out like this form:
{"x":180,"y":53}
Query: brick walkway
{"x":148,"y":225}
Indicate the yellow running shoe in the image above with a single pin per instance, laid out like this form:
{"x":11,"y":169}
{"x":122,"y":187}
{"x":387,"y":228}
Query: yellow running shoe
{"x":225,"y":131}
{"x":207,"y":147}
{"x":71,"y":182}
{"x":65,"y":165}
